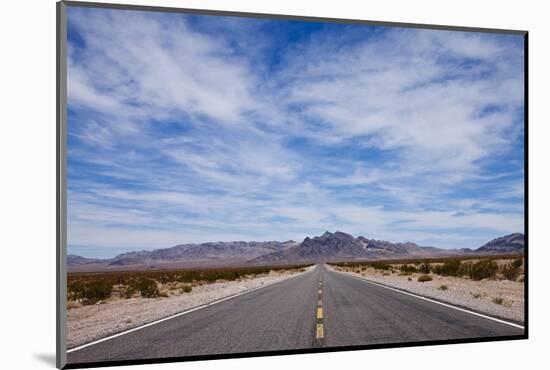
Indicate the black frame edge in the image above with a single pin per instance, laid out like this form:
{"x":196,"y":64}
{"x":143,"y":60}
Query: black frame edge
{"x":526,"y":179}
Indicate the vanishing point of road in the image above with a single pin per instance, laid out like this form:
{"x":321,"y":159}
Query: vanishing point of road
{"x":318,"y":308}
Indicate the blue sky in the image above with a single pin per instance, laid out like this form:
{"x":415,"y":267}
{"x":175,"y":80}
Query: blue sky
{"x":186,"y":129}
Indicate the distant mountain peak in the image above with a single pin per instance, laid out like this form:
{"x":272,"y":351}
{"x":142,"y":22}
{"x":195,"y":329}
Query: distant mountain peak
{"x":511,"y":243}
{"x":342,"y":246}
{"x":340,"y":233}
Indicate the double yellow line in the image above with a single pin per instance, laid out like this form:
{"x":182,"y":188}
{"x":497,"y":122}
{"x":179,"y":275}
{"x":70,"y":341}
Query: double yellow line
{"x":320,"y":333}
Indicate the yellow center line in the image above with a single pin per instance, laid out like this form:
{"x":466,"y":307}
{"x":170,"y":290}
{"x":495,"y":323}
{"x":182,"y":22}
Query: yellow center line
{"x":320,"y":331}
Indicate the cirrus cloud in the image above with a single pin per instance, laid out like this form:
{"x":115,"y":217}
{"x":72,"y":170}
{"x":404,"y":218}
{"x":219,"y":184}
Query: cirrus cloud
{"x":190,"y":128}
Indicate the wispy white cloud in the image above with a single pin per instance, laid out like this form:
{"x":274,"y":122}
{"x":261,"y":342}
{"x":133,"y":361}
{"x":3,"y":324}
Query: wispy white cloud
{"x":182,"y":133}
{"x":125,"y":70}
{"x":396,"y":93}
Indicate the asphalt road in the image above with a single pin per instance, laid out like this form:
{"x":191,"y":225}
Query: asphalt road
{"x":315,"y":309}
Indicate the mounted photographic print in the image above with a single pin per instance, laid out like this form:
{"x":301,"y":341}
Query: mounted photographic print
{"x":235,"y":184}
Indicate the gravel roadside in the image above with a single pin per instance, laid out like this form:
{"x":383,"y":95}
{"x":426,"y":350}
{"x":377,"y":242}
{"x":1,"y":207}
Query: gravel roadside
{"x":501,"y":298}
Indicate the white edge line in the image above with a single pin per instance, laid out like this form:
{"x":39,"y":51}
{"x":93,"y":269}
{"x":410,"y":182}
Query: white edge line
{"x":178,"y":314}
{"x":434,"y":301}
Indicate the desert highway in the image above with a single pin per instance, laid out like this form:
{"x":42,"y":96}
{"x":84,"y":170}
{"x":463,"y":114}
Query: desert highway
{"x":318,"y":308}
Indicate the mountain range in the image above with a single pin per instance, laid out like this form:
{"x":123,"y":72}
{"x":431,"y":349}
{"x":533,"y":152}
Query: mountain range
{"x":335,"y":246}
